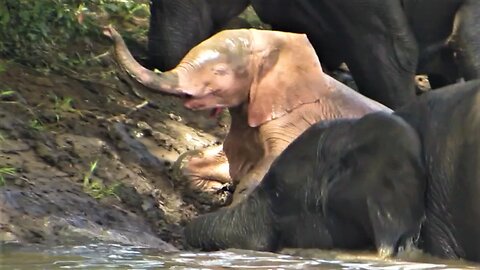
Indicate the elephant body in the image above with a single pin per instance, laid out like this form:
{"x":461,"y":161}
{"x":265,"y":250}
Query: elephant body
{"x":384,"y":180}
{"x":384,"y":43}
{"x":448,"y":124}
{"x":178,"y":26}
{"x":273,"y":84}
{"x":251,"y":150}
{"x":329,"y":189}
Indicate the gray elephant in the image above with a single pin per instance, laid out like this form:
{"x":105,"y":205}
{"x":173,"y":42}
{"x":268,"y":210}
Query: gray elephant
{"x":384,"y":180}
{"x":384,"y":43}
{"x":448,"y":124}
{"x":271,"y":82}
{"x":345,"y":184}
{"x":178,"y":26}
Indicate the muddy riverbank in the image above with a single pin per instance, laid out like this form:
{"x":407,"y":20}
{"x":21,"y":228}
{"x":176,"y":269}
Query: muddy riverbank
{"x":88,"y":155}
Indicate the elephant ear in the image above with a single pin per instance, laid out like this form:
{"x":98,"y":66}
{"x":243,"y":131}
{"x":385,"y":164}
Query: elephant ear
{"x":288,"y":75}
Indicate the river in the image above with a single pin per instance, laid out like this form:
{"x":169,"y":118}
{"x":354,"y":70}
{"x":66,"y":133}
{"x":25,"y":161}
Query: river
{"x":103,"y":256}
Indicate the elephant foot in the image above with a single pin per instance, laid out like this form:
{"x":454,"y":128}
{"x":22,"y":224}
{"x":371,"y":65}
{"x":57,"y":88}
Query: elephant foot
{"x":205,"y":170}
{"x":242,"y":190}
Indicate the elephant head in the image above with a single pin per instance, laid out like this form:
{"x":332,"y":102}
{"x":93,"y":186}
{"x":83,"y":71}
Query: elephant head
{"x":273,"y":72}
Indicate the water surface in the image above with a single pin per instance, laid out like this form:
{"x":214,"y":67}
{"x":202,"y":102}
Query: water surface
{"x":113,"y":256}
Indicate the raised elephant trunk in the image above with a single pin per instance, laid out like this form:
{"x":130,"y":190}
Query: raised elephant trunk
{"x":165,"y":82}
{"x":215,"y":74}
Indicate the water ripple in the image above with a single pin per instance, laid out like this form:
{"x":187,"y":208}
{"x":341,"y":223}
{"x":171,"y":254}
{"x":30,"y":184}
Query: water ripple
{"x":101,"y":256}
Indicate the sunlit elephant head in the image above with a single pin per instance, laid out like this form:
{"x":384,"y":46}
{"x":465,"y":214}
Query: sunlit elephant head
{"x":274,"y":72}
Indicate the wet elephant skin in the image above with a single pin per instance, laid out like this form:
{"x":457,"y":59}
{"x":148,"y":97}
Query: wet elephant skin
{"x":381,"y":180}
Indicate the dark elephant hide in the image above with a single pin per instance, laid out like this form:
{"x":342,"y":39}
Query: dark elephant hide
{"x":341,"y":184}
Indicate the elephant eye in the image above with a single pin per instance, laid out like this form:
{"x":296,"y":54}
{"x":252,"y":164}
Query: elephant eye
{"x":220,"y":70}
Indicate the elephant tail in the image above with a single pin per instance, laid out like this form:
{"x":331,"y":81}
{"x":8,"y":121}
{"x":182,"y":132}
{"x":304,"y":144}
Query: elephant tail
{"x":248,"y":225}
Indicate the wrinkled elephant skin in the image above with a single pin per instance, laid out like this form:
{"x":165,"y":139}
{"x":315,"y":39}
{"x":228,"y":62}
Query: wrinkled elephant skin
{"x":448,"y":124}
{"x":348,"y":184}
{"x":273,"y":85}
{"x":384,"y":180}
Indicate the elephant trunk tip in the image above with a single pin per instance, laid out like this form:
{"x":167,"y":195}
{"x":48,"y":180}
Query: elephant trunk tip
{"x":110,"y":32}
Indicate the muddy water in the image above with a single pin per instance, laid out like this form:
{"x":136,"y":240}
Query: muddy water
{"x":102,"y":256}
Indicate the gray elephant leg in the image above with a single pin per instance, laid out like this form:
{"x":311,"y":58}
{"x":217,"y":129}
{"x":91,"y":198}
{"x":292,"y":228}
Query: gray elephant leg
{"x":224,"y":11}
{"x":236,"y":23}
{"x":303,"y":16}
{"x":381,"y":50}
{"x":466,"y":39}
{"x":175,"y":28}
{"x":440,"y":65}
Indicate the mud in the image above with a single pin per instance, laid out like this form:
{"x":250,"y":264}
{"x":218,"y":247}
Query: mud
{"x":92,"y":155}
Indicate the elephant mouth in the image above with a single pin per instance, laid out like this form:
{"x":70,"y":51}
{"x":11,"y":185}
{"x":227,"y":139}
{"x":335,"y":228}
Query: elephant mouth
{"x":187,"y":99}
{"x":215,"y":112}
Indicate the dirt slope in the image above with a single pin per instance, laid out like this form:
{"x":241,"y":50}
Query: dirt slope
{"x":83,"y":157}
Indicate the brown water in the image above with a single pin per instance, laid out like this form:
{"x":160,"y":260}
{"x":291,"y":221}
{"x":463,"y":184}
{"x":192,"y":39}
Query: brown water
{"x":102,"y":256}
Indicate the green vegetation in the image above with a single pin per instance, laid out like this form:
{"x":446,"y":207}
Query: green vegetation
{"x":36,"y":124}
{"x":4,"y":171}
{"x":89,"y":174}
{"x":98,"y":190}
{"x":252,"y":18}
{"x":6,"y":94}
{"x":63,"y":105}
{"x":36,"y":33}
{"x":95,"y":187}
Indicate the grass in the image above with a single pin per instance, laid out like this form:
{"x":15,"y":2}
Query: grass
{"x":89,"y":174}
{"x":36,"y":124}
{"x":95,"y":187}
{"x":5,"y":94}
{"x":4,"y":171}
{"x":38,"y":33}
{"x":63,"y":105}
{"x":98,"y":190}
